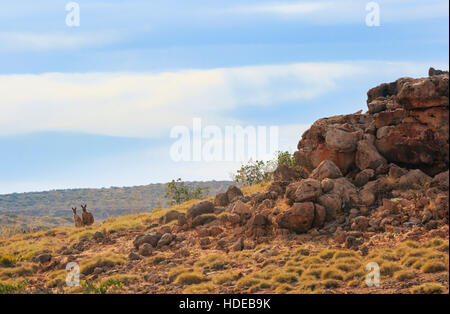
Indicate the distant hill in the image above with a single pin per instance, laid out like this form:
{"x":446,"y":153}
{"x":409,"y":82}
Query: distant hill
{"x":55,"y":206}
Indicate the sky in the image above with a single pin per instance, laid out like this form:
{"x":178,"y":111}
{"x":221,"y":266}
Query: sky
{"x":94,"y":105}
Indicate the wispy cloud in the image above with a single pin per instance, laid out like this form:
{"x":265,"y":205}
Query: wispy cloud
{"x":296,"y":8}
{"x":136,"y":104}
{"x":29,"y":41}
{"x":149,"y":104}
{"x":327,"y":12}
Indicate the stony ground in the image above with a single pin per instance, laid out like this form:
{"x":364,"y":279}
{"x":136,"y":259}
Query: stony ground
{"x":414,"y":261}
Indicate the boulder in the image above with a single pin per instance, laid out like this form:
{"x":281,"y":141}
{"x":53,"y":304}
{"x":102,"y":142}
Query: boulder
{"x":299,"y":218}
{"x":332,"y":203}
{"x":374,"y":190}
{"x":146,"y":249}
{"x":326,"y":169}
{"x":363,"y":177}
{"x":414,"y":179}
{"x":327,"y":185}
{"x":278,"y":187}
{"x":285,"y":173}
{"x":322,"y":141}
{"x":203,"y":219}
{"x":360,"y":223}
{"x":150,"y":238}
{"x":233,"y":192}
{"x":441,"y":181}
{"x":243,"y":210}
{"x":221,"y":199}
{"x":44,"y":258}
{"x":169,"y":216}
{"x":290,"y":192}
{"x":166,"y":239}
{"x":204,"y":207}
{"x":367,"y":156}
{"x":258,"y":225}
{"x":423,"y":92}
{"x":182,"y":221}
{"x":395,"y":172}
{"x":309,"y":189}
{"x":341,"y":140}
{"x":320,"y":215}
{"x":346,"y":191}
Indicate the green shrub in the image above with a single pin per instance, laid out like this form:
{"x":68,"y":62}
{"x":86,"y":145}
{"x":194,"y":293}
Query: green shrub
{"x":6,"y":288}
{"x":100,"y":287}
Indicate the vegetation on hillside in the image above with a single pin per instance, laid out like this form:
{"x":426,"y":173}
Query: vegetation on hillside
{"x":255,"y":172}
{"x":25,"y":212}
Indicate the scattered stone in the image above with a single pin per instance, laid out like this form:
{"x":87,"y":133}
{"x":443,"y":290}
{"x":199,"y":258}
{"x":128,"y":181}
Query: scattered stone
{"x":203,"y":207}
{"x":309,"y":189}
{"x":363,"y":177}
{"x":299,"y":218}
{"x":326,"y":169}
{"x":441,"y":181}
{"x":242,"y":209}
{"x":203,"y":219}
{"x":414,"y":179}
{"x":221,"y":199}
{"x":166,"y":239}
{"x":327,"y":185}
{"x":169,"y":216}
{"x":233,"y":192}
{"x":367,"y":156}
{"x":146,"y":249}
{"x":44,"y":258}
{"x":289,"y":174}
{"x":133,"y":256}
{"x":147,"y":238}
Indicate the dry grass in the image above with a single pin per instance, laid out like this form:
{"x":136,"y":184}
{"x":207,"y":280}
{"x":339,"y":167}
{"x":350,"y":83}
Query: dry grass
{"x":101,"y":260}
{"x":190,"y":278}
{"x":405,"y":275}
{"x":433,"y":266}
{"x":428,"y":288}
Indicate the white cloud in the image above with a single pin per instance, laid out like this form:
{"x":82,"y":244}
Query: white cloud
{"x":149,"y":104}
{"x":136,"y":104}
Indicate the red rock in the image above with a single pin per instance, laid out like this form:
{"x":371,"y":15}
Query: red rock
{"x":309,"y":189}
{"x":285,"y":173}
{"x":326,"y":169}
{"x":299,"y":218}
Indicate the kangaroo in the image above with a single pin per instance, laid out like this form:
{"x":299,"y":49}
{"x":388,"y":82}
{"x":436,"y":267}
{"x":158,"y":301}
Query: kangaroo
{"x":76,"y":218}
{"x":88,"y":218}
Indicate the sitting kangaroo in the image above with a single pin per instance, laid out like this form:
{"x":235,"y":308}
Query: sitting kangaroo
{"x":88,"y":218}
{"x":76,"y":218}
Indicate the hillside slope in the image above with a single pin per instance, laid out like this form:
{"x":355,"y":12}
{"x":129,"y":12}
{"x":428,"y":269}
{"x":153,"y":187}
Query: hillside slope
{"x":370,"y":194}
{"x":23,"y":212}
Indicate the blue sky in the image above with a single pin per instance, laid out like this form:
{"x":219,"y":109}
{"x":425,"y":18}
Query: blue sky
{"x":93,"y":106}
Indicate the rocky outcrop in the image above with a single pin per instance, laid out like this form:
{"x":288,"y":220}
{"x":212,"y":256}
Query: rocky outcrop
{"x":364,"y":172}
{"x":406,"y":124}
